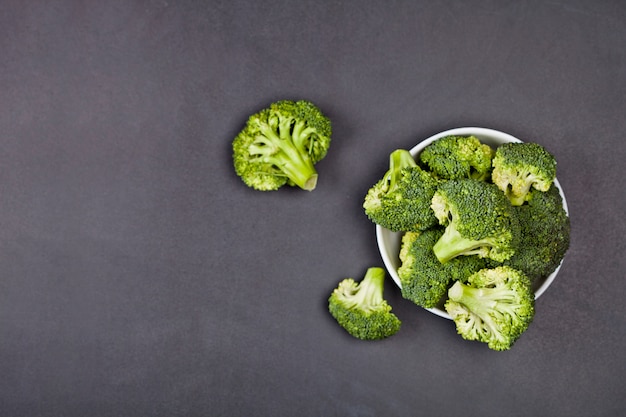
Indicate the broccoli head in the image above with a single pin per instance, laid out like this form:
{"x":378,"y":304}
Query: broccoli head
{"x":280,"y":144}
{"x":545,"y":234}
{"x":424,"y":280}
{"x":361,"y":309}
{"x":400,"y":201}
{"x":519,"y":166}
{"x":455,"y":157}
{"x":479,"y":220}
{"x":495,"y":306}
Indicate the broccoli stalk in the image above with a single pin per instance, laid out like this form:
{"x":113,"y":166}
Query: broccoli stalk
{"x":281,"y":144}
{"x":424,"y":279}
{"x":479,"y":220}
{"x":283,"y":147}
{"x":361,"y":309}
{"x":495,"y":306}
{"x":398,"y":160}
{"x":453,"y":244}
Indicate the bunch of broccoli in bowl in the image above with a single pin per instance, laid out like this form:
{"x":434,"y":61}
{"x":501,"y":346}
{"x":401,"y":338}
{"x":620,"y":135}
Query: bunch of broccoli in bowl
{"x":499,"y":235}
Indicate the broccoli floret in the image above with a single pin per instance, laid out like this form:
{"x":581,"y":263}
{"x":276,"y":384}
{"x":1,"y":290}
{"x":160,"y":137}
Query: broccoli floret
{"x":280,"y":144}
{"x":360,"y":308}
{"x":495,"y":306}
{"x":545,"y":234}
{"x":479,"y":220}
{"x":400,"y":201}
{"x":519,"y":166}
{"x":455,"y":157}
{"x":424,"y":280}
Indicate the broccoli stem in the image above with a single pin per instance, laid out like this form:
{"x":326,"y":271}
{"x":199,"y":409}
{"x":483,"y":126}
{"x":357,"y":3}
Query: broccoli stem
{"x":452,"y":244}
{"x":475,"y":299}
{"x":518,"y":195}
{"x":479,"y":301}
{"x":516,"y":200}
{"x":483,"y":301}
{"x":370,"y":293}
{"x":398,"y":160}
{"x":300,"y":171}
{"x":281,"y":151}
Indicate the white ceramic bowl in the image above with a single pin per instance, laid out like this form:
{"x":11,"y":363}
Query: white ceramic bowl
{"x":389,"y":242}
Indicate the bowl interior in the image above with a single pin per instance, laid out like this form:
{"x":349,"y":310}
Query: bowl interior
{"x":389,"y":242}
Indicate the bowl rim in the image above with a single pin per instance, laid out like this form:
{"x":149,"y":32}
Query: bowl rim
{"x":491,"y":137}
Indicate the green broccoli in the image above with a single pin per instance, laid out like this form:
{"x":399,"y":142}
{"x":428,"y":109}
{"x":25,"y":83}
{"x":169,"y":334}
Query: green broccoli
{"x":424,"y":280}
{"x":280,"y":144}
{"x":400,"y":201}
{"x":519,"y":166}
{"x":479,"y":220}
{"x":545,"y":234}
{"x":456,"y":157}
{"x":495,"y":306}
{"x":360,"y":308}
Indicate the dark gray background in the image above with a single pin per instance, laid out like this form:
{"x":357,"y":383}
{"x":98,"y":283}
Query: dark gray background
{"x":140,"y":277}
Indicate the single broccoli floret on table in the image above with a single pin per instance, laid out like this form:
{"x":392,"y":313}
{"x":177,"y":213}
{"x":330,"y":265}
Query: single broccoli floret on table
{"x":545,"y":234}
{"x":281,"y":144}
{"x":519,"y":166}
{"x":400,"y":201}
{"x":495,"y":306}
{"x":479,"y":220}
{"x":455,"y":157}
{"x":361,"y":309}
{"x":424,"y":280}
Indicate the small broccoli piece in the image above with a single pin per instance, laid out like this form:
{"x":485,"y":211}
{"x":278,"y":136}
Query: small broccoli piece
{"x":495,"y":306}
{"x":400,"y":201}
{"x":519,"y":166}
{"x":280,"y":144}
{"x":456,"y":157}
{"x":360,"y":308}
{"x":424,"y":280}
{"x":479,"y":220}
{"x":545,"y":234}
